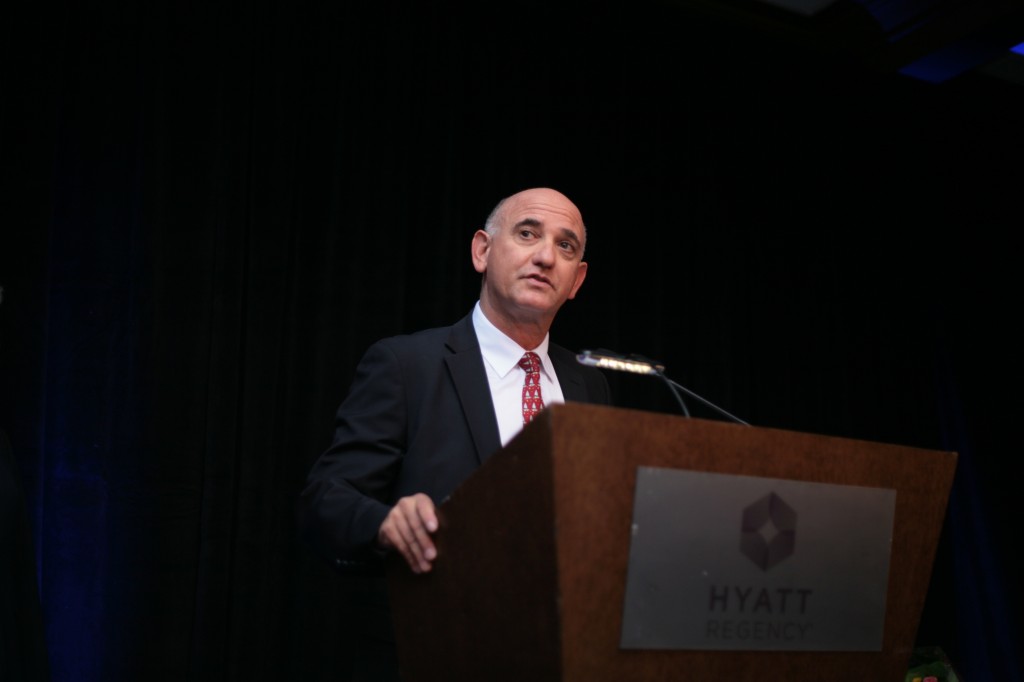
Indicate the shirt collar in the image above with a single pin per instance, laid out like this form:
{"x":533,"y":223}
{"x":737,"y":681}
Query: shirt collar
{"x":500,"y":351}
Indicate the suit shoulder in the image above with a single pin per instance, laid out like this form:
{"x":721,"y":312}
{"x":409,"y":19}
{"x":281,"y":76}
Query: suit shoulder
{"x":597,"y":389}
{"x":419,"y":337}
{"x":459,"y":336}
{"x":434,"y":342}
{"x":560,"y":353}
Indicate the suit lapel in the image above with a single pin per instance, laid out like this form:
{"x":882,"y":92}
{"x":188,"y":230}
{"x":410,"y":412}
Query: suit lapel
{"x":569,"y":377}
{"x":467,"y":371}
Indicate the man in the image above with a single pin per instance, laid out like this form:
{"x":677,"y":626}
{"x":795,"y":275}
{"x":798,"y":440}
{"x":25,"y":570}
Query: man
{"x":426,"y":409}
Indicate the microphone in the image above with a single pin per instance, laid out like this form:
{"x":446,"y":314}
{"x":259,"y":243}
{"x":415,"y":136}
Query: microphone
{"x":637,"y":364}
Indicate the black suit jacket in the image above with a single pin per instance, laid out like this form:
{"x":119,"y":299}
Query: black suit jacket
{"x":418,"y":418}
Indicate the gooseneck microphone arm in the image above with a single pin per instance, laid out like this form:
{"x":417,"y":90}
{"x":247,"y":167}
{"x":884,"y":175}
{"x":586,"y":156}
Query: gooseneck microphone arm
{"x":672,"y":386}
{"x":714,"y":407}
{"x":637,"y":364}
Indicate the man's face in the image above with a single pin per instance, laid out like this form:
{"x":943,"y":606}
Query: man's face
{"x":533,"y":263}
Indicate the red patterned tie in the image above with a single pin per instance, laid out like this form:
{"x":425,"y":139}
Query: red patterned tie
{"x":532,"y":400}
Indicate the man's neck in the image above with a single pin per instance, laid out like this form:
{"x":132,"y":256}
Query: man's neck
{"x":528,"y":333}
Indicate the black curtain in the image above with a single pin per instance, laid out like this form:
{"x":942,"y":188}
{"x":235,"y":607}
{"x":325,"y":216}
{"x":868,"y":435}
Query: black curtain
{"x":213,"y":209}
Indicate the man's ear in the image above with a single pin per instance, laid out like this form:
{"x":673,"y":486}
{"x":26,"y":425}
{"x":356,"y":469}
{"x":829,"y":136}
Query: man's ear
{"x":480,"y":248}
{"x":581,"y":274}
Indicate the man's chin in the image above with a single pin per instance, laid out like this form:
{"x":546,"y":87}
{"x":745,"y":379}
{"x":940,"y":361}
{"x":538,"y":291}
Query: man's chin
{"x":541,"y":304}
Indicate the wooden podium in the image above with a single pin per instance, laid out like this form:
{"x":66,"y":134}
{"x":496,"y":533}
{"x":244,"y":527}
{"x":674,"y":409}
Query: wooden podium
{"x":534,"y":550}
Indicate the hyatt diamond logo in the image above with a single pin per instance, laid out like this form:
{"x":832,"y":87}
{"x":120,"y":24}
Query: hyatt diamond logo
{"x":769,"y":531}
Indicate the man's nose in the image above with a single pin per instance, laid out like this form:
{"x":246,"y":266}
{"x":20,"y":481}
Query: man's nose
{"x":544,"y":254}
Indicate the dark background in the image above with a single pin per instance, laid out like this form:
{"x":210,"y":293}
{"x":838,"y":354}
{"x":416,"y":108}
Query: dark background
{"x":211,"y":210}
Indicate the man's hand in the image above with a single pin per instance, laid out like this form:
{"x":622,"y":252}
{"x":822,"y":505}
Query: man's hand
{"x":407,"y":529}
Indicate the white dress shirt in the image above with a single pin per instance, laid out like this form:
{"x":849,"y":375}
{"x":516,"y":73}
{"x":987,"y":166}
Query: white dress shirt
{"x":501,"y":360}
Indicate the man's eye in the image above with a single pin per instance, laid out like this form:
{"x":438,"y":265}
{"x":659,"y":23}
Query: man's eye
{"x":567,"y":246}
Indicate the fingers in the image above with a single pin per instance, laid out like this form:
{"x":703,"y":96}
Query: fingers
{"x":407,"y":529}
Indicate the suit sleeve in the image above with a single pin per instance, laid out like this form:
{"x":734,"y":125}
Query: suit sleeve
{"x":347,"y":493}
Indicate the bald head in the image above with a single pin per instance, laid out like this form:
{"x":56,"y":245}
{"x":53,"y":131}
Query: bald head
{"x":541,"y":197}
{"x":530,"y":254}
